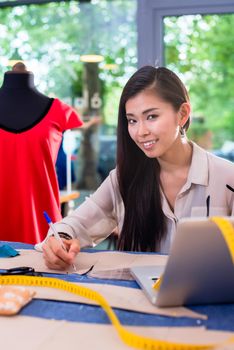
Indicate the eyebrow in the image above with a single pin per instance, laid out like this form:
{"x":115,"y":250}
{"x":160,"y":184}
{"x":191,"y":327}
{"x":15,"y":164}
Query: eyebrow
{"x":144,"y":112}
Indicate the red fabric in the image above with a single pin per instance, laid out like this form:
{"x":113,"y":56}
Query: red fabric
{"x":28,"y":181}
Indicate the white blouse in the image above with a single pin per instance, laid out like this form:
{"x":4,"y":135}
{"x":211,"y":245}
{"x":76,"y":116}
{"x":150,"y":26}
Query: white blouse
{"x":103,"y":211}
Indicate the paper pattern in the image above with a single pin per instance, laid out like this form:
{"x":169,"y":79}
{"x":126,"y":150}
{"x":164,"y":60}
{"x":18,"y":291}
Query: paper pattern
{"x":32,"y":333}
{"x":102,"y":261}
{"x":127,"y":298}
{"x":119,"y":297}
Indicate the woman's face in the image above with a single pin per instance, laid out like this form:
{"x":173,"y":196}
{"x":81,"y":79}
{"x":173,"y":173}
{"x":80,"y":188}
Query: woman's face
{"x":153,"y":124}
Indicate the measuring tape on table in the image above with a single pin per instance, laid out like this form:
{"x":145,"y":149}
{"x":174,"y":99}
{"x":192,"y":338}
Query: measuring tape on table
{"x":129,"y":338}
{"x":227,"y":231}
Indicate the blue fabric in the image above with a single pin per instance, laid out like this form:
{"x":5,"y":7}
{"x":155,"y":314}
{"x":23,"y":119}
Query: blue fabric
{"x":7,"y":251}
{"x":61,"y":168}
{"x":220,"y":317}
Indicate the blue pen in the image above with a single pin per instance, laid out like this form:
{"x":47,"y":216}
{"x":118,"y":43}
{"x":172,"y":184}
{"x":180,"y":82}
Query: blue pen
{"x":55,"y":232}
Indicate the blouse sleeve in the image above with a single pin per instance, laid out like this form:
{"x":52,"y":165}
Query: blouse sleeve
{"x":96,"y":218}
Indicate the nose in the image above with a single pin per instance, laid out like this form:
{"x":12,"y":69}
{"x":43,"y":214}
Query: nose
{"x":142,"y":129}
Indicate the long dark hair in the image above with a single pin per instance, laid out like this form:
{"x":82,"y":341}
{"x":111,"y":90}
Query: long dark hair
{"x":144,"y":224}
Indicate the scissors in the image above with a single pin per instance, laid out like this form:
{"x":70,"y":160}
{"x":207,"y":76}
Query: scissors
{"x":22,"y":270}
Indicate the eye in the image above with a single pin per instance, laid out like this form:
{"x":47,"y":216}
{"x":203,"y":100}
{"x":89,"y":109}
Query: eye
{"x":131,"y":121}
{"x":152,"y":116}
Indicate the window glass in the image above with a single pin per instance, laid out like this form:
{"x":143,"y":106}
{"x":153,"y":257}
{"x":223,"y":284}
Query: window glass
{"x":200,"y":49}
{"x":51,"y":38}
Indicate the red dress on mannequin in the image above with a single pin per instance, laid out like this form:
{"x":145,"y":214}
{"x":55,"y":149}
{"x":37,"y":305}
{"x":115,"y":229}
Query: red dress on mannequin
{"x":28,"y":181}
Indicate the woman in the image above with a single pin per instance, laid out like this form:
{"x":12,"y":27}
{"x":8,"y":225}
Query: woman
{"x":160,"y":177}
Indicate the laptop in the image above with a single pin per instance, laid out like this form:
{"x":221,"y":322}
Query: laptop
{"x":199,"y":269}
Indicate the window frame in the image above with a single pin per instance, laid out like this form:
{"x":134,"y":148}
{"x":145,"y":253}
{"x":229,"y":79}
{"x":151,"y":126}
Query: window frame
{"x":150,"y":15}
{"x":34,"y":2}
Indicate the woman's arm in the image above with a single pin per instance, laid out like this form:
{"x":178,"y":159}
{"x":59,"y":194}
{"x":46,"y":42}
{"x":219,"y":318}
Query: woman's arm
{"x":88,"y":225}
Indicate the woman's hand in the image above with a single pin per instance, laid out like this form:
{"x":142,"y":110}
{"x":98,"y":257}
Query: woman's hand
{"x":56,"y":257}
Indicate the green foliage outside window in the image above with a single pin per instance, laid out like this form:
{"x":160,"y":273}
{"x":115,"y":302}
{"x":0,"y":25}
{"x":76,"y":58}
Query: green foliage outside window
{"x":201,"y":49}
{"x":52,"y":37}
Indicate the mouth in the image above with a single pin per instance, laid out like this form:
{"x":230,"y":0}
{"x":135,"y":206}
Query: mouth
{"x":148,"y":144}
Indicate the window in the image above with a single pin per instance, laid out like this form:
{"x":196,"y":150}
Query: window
{"x":195,"y":39}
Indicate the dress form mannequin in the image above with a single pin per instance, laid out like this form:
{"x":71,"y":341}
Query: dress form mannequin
{"x":21,"y":104}
{"x":31,"y":129}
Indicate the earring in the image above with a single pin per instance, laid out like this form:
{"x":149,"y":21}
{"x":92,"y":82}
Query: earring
{"x":182,"y":131}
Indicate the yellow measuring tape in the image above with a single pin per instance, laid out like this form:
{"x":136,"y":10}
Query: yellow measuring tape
{"x":227,"y":231}
{"x":158,"y":283}
{"x":129,"y":338}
